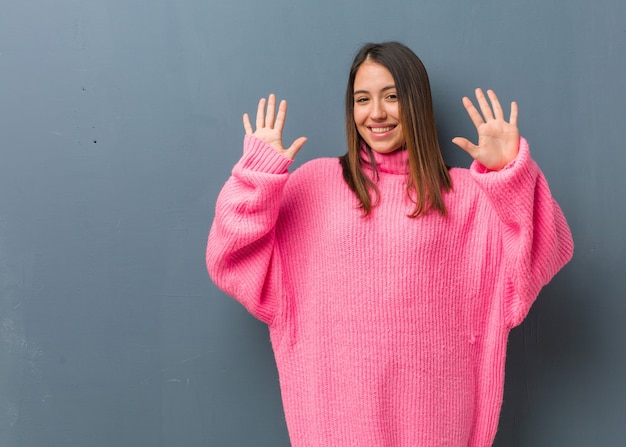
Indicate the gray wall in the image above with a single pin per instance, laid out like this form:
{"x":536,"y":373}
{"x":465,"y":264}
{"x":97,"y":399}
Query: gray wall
{"x":120,"y":121}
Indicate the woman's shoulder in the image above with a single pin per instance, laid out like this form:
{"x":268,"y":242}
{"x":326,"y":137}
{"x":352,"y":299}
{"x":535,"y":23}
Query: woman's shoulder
{"x":463,"y":185}
{"x":312,"y":186}
{"x":321,"y":162}
{"x":318,"y":169}
{"x":314,"y":180}
{"x":460,"y":175}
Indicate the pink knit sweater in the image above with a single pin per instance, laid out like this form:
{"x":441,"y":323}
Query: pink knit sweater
{"x":387,"y":330}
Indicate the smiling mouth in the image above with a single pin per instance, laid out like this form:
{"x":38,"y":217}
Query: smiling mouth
{"x":382,"y":129}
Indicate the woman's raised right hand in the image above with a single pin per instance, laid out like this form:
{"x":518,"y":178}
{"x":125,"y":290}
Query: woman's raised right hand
{"x":269,"y":126}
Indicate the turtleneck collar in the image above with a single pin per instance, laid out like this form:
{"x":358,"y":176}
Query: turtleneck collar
{"x":396,"y":162}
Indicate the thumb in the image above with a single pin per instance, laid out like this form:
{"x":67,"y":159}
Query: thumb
{"x":295,"y":147}
{"x":464,"y":144}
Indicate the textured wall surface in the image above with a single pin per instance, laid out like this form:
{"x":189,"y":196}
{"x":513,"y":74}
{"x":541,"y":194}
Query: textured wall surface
{"x":119,"y":123}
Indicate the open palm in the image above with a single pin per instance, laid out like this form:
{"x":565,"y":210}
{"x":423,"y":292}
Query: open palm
{"x":269,"y":126}
{"x":498,"y":140}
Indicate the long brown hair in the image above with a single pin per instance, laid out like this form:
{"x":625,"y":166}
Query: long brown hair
{"x":428,"y":174}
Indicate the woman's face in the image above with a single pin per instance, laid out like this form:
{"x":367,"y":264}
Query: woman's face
{"x":376,"y":108}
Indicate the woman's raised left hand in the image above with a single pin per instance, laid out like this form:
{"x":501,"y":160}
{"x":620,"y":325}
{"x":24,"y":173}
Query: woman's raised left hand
{"x":498,"y":140}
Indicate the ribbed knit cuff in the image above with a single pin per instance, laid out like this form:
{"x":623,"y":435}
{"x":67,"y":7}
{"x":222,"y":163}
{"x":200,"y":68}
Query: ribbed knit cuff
{"x":260,"y":156}
{"x":506,"y":187}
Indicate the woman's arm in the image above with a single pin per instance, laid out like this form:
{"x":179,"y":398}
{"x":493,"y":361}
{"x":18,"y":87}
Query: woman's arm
{"x":241,"y":256}
{"x":536,"y":240}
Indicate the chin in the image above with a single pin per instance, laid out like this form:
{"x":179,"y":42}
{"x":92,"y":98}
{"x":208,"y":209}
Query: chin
{"x":385,"y":149}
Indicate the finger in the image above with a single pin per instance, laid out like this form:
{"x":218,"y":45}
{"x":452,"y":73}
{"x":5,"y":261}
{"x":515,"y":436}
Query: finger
{"x":464,"y":144}
{"x":513,"y":118}
{"x":247,"y":125}
{"x":271,"y":111}
{"x":260,"y":114}
{"x":281,"y":116}
{"x":495,"y":105}
{"x":484,"y":105}
{"x":295,"y":147}
{"x":474,"y":115}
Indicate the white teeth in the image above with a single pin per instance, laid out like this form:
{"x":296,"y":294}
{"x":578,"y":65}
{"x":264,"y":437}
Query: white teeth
{"x":381,"y":129}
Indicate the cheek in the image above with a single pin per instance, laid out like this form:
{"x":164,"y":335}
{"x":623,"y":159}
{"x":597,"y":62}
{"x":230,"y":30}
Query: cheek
{"x":395,"y":111}
{"x":359,"y":117}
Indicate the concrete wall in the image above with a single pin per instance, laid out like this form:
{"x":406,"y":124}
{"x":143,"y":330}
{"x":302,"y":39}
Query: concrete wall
{"x":119,"y":123}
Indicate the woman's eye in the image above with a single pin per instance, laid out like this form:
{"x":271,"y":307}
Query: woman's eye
{"x":361,"y":100}
{"x":392,"y":97}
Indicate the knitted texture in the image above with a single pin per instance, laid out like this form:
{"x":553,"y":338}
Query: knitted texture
{"x":387,"y":330}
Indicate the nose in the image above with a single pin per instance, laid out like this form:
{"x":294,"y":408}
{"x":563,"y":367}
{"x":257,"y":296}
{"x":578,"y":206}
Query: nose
{"x":378,"y":111}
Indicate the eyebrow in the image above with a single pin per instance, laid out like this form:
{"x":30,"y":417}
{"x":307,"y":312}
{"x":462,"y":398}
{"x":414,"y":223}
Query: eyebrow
{"x":384,"y":89}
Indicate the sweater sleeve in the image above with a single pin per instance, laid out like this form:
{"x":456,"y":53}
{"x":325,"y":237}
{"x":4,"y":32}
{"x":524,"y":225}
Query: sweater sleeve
{"x":536,"y":239}
{"x":241,"y":254}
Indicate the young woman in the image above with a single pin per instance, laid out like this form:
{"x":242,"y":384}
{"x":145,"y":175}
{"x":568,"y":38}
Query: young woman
{"x":388,"y":281}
